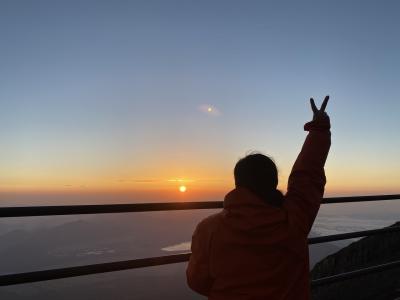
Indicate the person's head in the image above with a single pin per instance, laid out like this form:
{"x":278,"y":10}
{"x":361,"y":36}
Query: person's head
{"x":259,"y":174}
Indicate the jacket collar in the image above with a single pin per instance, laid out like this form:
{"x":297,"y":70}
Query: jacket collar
{"x":242,"y":197}
{"x":245,"y":210}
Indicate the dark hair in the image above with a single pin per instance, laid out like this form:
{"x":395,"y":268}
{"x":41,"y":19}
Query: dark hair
{"x":259,"y":174}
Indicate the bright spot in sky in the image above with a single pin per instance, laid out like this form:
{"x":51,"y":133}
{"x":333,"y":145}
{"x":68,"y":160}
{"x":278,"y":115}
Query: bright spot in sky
{"x":209,"y":110}
{"x":182,"y":188}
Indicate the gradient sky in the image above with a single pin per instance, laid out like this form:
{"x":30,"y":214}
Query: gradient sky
{"x":112,"y":96}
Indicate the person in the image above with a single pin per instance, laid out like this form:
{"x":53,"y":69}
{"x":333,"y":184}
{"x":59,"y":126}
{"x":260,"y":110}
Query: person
{"x":256,"y":247}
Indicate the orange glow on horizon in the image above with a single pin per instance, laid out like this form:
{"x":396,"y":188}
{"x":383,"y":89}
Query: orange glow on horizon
{"x":166,"y":182}
{"x":334,"y":185}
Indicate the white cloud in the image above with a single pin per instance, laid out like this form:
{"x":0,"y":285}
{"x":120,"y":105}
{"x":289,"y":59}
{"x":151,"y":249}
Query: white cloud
{"x":185,"y":246}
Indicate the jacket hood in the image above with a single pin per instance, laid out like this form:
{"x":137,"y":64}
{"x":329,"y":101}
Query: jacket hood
{"x":244,"y":210}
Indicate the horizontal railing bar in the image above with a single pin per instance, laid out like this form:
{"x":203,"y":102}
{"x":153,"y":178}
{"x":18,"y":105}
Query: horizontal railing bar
{"x":350,"y":235}
{"x":354,"y":274}
{"x":10,"y":279}
{"x":29,"y":211}
{"x":332,"y":200}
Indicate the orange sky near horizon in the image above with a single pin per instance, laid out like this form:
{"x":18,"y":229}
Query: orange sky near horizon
{"x":339,"y":182}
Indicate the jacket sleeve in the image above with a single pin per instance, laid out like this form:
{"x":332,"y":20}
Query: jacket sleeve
{"x":307,"y":178}
{"x":197,"y":273}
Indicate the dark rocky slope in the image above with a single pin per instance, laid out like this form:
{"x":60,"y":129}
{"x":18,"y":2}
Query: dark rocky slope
{"x":366,"y":252}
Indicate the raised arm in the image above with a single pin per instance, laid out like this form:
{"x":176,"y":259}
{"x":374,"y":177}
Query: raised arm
{"x":307,"y":179}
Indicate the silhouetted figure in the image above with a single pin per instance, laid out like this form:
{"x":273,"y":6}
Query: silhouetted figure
{"x":256,"y":247}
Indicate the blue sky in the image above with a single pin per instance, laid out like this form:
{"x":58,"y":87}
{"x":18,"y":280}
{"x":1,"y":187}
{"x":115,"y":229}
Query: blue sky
{"x":93,"y":92}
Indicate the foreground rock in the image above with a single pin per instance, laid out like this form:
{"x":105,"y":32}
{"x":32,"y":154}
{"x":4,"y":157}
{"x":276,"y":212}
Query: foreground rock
{"x":366,"y":252}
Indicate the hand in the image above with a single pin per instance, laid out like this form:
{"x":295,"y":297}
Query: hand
{"x":319,"y":114}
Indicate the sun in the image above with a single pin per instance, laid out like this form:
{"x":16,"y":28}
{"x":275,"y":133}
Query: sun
{"x":209,"y":109}
{"x":182,"y":188}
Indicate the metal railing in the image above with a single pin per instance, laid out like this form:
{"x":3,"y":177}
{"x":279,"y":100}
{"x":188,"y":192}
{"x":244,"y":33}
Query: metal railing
{"x":30,"y":211}
{"x":18,"y":278}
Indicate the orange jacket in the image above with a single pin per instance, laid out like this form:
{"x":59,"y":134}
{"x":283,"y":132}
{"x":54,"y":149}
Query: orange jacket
{"x":252,"y":250}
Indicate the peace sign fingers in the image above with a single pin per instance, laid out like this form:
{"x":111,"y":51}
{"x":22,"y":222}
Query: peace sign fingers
{"x":323,"y":106}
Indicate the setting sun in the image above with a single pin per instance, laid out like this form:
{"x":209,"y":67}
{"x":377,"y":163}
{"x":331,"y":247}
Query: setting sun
{"x":182,"y":188}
